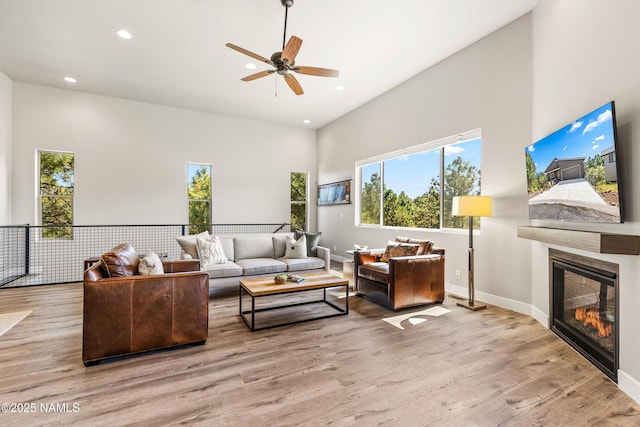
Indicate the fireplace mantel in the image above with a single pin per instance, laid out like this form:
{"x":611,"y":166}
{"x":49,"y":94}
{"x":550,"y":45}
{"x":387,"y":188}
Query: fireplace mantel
{"x":593,"y":241}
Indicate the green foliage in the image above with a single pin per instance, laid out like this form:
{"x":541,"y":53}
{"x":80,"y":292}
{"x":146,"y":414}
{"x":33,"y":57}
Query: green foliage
{"x":533,"y":183}
{"x":370,"y":201}
{"x":594,"y":171}
{"x":459,"y":180}
{"x":399,"y":210}
{"x":56,"y":192}
{"x":298,"y":187}
{"x":199,"y":194}
{"x":298,"y":200}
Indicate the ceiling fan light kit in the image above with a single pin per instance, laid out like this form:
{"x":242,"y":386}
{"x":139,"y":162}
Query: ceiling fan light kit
{"x":284,"y":61}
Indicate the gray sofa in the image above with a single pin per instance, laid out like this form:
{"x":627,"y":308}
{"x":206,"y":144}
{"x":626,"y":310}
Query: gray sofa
{"x":260,"y":255}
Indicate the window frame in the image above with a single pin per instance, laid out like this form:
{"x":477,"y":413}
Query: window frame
{"x":439,"y":144}
{"x":297,"y":202}
{"x":189,"y":200}
{"x":40,"y":196}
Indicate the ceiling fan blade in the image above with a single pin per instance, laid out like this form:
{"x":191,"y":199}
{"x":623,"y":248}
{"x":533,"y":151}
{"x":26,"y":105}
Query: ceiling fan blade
{"x":316,"y":71}
{"x":293,"y":84}
{"x":249,"y":53}
{"x":291,"y":49}
{"x":257,"y":75}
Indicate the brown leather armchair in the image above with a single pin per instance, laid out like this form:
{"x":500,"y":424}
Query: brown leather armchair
{"x":133,"y":313}
{"x":403,"y":281}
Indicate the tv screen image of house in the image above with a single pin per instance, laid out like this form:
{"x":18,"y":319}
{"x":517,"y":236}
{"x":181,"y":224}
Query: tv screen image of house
{"x":572,"y":173}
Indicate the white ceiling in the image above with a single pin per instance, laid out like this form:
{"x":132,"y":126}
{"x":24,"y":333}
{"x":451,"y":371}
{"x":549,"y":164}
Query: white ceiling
{"x":177,"y":56}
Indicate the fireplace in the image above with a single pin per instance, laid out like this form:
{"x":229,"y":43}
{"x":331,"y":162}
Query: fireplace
{"x":584,"y":307}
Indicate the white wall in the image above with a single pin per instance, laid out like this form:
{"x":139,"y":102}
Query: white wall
{"x":488,"y":86}
{"x":584,"y":56}
{"x":5,"y":149}
{"x":130,"y":158}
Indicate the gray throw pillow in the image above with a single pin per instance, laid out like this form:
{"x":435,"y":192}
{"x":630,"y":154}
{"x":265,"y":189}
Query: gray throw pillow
{"x":313,"y":239}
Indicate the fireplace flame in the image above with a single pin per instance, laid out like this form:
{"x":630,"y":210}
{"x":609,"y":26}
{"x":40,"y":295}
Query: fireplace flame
{"x":591,"y":316}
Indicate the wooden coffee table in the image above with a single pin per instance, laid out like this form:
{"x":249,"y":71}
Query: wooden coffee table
{"x":266,"y":286}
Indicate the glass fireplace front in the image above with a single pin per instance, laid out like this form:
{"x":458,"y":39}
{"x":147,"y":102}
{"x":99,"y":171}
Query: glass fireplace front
{"x":585,"y":308}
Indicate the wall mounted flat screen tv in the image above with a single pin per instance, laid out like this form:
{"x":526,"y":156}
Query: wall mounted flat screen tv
{"x":572,"y":174}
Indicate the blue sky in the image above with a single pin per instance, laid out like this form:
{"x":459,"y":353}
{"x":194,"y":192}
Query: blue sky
{"x":413,"y":174}
{"x":192,"y":168}
{"x":585,"y":137}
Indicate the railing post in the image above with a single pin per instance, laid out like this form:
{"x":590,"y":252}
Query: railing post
{"x":27,"y":229}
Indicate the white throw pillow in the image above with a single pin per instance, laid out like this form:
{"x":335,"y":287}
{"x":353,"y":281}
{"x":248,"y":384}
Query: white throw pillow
{"x":296,"y":248}
{"x":150,"y":264}
{"x":210,"y":251}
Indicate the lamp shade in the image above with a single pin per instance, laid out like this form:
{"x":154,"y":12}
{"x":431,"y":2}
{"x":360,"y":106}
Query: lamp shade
{"x":471,"y":206}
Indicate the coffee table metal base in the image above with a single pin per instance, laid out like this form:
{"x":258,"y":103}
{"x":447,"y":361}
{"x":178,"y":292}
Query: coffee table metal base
{"x":249,"y":316}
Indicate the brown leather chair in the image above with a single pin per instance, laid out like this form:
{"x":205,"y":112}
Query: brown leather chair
{"x":403,"y":281}
{"x":132,"y":313}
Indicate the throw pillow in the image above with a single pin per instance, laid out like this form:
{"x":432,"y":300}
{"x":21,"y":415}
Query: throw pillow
{"x":210,"y":251}
{"x":120,"y":261}
{"x":425,"y":245}
{"x":395,"y":249}
{"x":313,"y":239}
{"x":188,"y":243}
{"x":296,"y":248}
{"x":150,"y":264}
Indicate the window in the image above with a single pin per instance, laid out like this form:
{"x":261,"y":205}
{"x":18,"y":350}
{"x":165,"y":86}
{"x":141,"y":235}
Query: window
{"x":299,"y":200}
{"x":415,"y":187}
{"x":199,"y":195}
{"x":56,"y":194}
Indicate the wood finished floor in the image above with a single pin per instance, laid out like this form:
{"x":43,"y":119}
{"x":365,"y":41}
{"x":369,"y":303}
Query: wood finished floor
{"x":488,"y":368}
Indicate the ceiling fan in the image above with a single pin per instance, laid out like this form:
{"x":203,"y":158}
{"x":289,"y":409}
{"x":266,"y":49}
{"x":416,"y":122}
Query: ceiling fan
{"x":284,"y":61}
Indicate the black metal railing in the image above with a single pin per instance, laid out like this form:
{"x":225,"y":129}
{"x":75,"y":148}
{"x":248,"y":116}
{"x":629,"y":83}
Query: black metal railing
{"x":28,"y":258}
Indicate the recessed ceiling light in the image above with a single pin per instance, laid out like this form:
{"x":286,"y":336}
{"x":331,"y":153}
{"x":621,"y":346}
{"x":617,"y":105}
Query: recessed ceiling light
{"x":306,"y":121}
{"x":70,"y":79}
{"x":124,"y":34}
{"x":340,"y":87}
{"x":251,"y":66}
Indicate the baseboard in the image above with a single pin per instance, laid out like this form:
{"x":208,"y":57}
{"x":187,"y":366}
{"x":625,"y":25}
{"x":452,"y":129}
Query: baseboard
{"x":629,"y":385}
{"x":339,"y":258}
{"x":541,"y":317}
{"x":507,"y":303}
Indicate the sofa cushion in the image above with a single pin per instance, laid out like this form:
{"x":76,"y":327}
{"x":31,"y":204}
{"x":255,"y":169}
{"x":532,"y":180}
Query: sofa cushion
{"x":279,"y":245}
{"x":296,"y":248}
{"x":188,"y":243}
{"x":313,"y":239}
{"x":376,"y":271}
{"x":254,"y":266}
{"x":248,"y":247}
{"x":298,"y":264}
{"x":150,"y":264}
{"x":425,"y":245}
{"x":120,"y":261}
{"x":395,"y":249}
{"x":210,"y":252}
{"x":228,"y":269}
{"x":227,"y":246}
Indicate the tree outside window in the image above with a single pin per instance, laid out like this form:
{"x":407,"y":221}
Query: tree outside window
{"x":199,"y":195}
{"x":299,"y":200}
{"x":371,"y":179}
{"x":414,"y":194}
{"x":56,"y":194}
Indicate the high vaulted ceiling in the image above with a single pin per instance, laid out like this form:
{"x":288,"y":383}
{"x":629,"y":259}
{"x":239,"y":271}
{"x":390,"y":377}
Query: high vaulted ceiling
{"x":177,"y":56}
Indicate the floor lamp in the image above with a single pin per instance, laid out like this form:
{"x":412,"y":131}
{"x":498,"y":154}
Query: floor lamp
{"x":471,"y":206}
